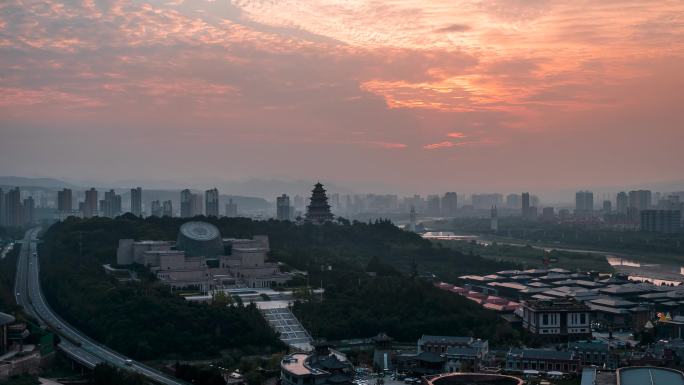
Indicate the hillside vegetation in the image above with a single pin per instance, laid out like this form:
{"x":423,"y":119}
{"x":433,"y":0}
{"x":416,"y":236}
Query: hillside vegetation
{"x":370,"y":272}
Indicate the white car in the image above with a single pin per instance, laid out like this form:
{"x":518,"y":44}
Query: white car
{"x":128,"y":362}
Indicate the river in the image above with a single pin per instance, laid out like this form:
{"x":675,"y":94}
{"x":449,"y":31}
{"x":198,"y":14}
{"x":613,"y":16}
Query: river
{"x":636,"y":270}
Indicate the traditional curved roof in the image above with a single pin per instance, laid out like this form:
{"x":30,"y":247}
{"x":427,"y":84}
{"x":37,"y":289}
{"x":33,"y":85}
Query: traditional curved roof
{"x":6,"y":318}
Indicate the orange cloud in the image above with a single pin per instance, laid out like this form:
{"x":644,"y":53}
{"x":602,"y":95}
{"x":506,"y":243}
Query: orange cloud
{"x":444,"y":144}
{"x":389,"y":145}
{"x":456,"y":135}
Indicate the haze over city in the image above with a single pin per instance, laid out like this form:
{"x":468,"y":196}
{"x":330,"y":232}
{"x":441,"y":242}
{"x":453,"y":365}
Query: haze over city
{"x":358,"y":192}
{"x":404,"y":96}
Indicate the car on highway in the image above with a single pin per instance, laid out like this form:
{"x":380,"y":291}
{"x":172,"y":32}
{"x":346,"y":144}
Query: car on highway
{"x":128,"y":362}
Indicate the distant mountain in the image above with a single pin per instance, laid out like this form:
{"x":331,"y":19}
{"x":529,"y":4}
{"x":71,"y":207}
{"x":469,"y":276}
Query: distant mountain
{"x":271,"y":188}
{"x":49,"y":183}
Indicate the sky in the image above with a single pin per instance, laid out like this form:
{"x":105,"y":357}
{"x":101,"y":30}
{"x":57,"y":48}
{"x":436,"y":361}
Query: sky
{"x":412,"y":95}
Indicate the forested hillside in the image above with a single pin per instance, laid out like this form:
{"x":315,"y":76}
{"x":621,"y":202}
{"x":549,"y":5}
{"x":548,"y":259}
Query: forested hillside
{"x":146,"y":320}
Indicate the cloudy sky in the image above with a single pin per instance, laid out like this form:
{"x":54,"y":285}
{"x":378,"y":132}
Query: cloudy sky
{"x":419,"y":95}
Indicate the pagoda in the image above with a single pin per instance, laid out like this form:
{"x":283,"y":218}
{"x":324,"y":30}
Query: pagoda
{"x":318,"y":211}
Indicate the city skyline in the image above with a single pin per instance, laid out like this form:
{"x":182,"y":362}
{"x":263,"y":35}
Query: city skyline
{"x":488,"y":94}
{"x":360,"y":192}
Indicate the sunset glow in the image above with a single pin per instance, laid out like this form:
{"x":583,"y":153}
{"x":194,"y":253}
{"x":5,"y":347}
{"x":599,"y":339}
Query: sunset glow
{"x":346,"y":89}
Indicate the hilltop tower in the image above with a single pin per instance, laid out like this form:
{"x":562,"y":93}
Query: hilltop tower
{"x":412,"y":220}
{"x":318,"y":211}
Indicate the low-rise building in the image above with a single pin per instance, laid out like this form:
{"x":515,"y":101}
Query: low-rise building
{"x":247,"y":263}
{"x":324,"y":366}
{"x":519,"y":360}
{"x":557,"y":320}
{"x":617,"y":313}
{"x":440,"y":344}
{"x":595,"y":353}
{"x":185,"y":263}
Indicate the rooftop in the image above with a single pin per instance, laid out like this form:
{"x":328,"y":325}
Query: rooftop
{"x":649,"y":376}
{"x":556,"y":304}
{"x":426,"y":338}
{"x":542,"y":354}
{"x":6,"y":319}
{"x":612,"y":302}
{"x":462,"y":351}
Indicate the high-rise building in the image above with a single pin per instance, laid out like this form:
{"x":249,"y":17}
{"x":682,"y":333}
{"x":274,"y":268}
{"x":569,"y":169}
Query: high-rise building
{"x":14,"y":208}
{"x":136,"y":201}
{"x":584,"y":203}
{"x":607,"y":206}
{"x":186,"y":203}
{"x":622,"y":202}
{"x":525,"y":198}
{"x":318,"y":210}
{"x":661,"y":221}
{"x":334,"y":202}
{"x":513,"y":201}
{"x":548,"y":214}
{"x":29,"y":210}
{"x":196,"y":205}
{"x":433,"y":205}
{"x":494,"y":220}
{"x":44,"y":202}
{"x":283,"y":208}
{"x":231,"y":209}
{"x":116,"y":203}
{"x":564,"y":214}
{"x":412,"y":219}
{"x":534,"y":200}
{"x":486,"y":201}
{"x":64,"y":201}
{"x":673,"y":202}
{"x":90,"y":203}
{"x":211,"y":200}
{"x":167,"y":209}
{"x":450,"y":204}
{"x":299,"y":202}
{"x":640,"y":199}
{"x":3,"y":210}
{"x":156,"y":208}
{"x":110,"y":206}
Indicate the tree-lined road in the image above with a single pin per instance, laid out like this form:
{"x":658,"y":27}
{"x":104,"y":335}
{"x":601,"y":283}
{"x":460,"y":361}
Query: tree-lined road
{"x":28,"y":294}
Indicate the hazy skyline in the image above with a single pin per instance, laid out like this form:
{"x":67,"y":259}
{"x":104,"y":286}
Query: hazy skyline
{"x":415,"y":95}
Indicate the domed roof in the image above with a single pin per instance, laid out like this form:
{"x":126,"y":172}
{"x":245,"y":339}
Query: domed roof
{"x":199,"y":231}
{"x":200,"y":239}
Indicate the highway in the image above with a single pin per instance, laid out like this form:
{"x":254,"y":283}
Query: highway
{"x":29,"y":295}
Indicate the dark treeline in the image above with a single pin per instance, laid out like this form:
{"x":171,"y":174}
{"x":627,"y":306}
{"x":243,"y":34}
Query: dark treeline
{"x":8,"y":270}
{"x":109,"y":375}
{"x":10,"y":232}
{"x":357,"y":305}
